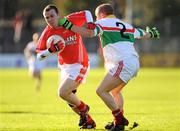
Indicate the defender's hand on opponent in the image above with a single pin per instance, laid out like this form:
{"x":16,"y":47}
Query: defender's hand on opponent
{"x":91,"y":26}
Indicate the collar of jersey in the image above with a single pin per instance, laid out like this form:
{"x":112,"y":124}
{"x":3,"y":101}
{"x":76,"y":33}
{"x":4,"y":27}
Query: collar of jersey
{"x":110,"y":16}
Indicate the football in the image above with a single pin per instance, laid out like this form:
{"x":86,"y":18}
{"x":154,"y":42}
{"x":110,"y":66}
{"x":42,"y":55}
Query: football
{"x":55,"y":38}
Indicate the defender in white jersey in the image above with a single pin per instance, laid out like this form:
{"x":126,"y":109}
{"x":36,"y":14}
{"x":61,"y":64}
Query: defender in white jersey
{"x":121,"y":59}
{"x":35,"y":67}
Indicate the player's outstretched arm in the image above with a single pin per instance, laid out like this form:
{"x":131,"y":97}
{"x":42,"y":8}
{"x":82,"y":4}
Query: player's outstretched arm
{"x":149,"y":33}
{"x":80,"y":30}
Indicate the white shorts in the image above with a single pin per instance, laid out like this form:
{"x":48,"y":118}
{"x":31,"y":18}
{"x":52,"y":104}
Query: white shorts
{"x":126,"y":69}
{"x":76,"y":72}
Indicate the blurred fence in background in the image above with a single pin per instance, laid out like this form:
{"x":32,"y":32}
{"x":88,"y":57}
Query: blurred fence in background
{"x":164,"y":52}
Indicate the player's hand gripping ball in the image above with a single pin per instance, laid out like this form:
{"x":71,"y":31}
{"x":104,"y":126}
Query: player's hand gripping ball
{"x":55,"y":43}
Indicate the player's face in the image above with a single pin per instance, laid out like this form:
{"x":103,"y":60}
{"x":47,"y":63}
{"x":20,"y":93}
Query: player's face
{"x":51,"y":18}
{"x":35,"y":38}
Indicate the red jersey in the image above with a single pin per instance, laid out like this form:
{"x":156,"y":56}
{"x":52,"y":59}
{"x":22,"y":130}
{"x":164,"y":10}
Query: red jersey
{"x":74,"y":51}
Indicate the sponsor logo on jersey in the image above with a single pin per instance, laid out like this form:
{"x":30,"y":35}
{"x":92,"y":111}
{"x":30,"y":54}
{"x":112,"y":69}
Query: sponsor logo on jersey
{"x":71,"y":40}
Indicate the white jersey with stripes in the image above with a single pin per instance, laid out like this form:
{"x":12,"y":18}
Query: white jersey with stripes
{"x":117,"y":39}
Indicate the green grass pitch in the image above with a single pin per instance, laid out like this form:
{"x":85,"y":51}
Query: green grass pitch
{"x":152,"y":99}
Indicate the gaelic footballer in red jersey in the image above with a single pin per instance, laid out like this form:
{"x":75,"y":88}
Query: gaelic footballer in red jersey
{"x":73,"y":58}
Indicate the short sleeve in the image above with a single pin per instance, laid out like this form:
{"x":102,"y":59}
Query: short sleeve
{"x":80,"y":18}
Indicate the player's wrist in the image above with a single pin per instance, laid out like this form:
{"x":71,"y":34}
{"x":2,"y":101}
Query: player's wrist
{"x":43,"y":54}
{"x":54,"y":48}
{"x":65,"y":23}
{"x":49,"y":50}
{"x":96,"y":31}
{"x":91,"y":25}
{"x":151,"y":34}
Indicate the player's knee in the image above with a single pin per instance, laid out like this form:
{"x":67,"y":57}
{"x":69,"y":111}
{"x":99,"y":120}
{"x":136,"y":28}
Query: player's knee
{"x":58,"y":92}
{"x":99,"y":92}
{"x":62,"y":94}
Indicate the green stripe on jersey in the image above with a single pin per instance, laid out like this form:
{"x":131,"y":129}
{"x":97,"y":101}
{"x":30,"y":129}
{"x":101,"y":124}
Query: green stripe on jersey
{"x":140,"y":31}
{"x":98,"y":30}
{"x":112,"y":37}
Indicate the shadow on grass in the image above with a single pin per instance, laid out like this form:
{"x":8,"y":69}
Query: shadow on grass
{"x":129,"y":128}
{"x":30,"y":112}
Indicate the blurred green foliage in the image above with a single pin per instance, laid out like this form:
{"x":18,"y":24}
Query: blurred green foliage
{"x":8,"y":8}
{"x":150,"y":11}
{"x":69,"y":6}
{"x":144,"y":12}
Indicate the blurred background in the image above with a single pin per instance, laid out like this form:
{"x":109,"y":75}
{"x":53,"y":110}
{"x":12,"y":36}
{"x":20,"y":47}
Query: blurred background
{"x":19,"y":19}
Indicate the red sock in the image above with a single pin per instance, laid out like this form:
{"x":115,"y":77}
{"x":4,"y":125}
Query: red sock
{"x":89,"y":118}
{"x":122,"y":112}
{"x":82,"y":106}
{"x":118,"y":115}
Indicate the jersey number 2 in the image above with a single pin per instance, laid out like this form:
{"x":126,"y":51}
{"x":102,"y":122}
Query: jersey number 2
{"x":122,"y":30}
